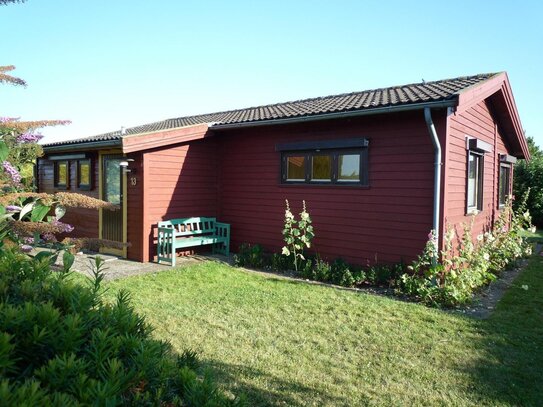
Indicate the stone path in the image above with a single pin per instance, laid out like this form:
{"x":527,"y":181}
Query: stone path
{"x":117,"y":267}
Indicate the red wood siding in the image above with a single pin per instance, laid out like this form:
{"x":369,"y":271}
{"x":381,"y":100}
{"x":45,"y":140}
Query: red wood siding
{"x":85,"y":221}
{"x":387,"y":222}
{"x":477,"y":122}
{"x":180,"y":182}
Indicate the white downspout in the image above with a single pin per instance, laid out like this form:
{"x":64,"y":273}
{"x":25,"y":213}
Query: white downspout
{"x":437,"y":174}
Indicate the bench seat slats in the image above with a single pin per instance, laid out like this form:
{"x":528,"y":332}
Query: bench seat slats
{"x":197,"y":241}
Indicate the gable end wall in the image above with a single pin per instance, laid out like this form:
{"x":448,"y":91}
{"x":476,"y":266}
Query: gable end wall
{"x":478,"y":122}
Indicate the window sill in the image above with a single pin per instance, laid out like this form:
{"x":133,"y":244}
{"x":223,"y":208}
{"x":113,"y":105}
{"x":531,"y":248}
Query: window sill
{"x":473,"y":212}
{"x":323,"y":185}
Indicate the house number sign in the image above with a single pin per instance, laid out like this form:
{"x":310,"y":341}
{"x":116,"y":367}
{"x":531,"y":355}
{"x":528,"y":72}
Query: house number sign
{"x":133,"y":181}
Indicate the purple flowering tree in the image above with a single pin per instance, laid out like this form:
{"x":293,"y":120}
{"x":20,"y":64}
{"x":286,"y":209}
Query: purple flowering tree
{"x":26,"y":218}
{"x":29,"y":218}
{"x":19,"y":150}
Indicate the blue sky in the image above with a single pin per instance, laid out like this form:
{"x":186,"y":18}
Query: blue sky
{"x":106,"y":64}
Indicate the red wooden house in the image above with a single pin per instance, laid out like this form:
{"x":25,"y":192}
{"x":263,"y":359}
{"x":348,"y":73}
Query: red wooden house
{"x":378,"y":169}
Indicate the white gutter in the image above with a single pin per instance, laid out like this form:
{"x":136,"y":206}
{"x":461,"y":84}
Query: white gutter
{"x":437,"y":175}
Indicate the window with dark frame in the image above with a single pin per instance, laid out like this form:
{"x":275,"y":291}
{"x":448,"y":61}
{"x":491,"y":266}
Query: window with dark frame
{"x":476,"y":150}
{"x":337,"y":162}
{"x":504,"y":184}
{"x":475,"y":182}
{"x":62,"y":174}
{"x":84,"y":174}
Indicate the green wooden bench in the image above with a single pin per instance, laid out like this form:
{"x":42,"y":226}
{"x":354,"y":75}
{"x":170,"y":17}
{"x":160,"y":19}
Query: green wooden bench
{"x":190,"y":232}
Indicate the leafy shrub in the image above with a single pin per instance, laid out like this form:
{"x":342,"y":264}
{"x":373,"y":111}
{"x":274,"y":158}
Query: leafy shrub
{"x":321,"y":270}
{"x":250,"y":256}
{"x":279,"y":262}
{"x":359,"y":275}
{"x":371,"y":275}
{"x":63,"y":344}
{"x":306,"y":268}
{"x":317,"y":270}
{"x":386,"y":275}
{"x":528,"y":180}
{"x":340,"y":273}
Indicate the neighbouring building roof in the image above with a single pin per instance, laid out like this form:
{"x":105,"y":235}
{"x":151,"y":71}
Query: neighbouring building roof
{"x":392,"y":97}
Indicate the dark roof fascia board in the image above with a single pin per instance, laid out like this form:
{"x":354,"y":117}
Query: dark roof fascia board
{"x":328,"y":116}
{"x":94,"y":145}
{"x":323,"y":145}
{"x":61,"y":157}
{"x":497,"y":84}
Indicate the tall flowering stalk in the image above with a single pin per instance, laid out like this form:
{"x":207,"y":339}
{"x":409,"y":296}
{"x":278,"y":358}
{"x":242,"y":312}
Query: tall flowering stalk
{"x":297,"y":234}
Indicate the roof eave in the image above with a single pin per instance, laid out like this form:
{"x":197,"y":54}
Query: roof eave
{"x":452,"y":102}
{"x":84,"y":145}
{"x":162,"y":138}
{"x":499,"y":82}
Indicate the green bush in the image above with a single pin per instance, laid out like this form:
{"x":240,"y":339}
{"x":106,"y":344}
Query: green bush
{"x":371,"y":275}
{"x":250,"y":256}
{"x":386,"y":275}
{"x":359,"y":275}
{"x":528,"y":180}
{"x":279,"y":262}
{"x":321,"y":270}
{"x":63,"y":344}
{"x":340,"y":273}
{"x":306,"y":267}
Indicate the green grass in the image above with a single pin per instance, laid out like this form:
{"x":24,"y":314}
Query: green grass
{"x":536,"y":237}
{"x":289,"y":343}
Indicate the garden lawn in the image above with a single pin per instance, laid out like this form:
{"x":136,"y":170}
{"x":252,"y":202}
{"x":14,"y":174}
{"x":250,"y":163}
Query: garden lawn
{"x":290,"y":343}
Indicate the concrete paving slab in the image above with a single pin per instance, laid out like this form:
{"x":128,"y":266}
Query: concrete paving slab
{"x":116,"y":267}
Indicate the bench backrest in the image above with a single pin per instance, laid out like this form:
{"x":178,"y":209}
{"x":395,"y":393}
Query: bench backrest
{"x":190,"y":226}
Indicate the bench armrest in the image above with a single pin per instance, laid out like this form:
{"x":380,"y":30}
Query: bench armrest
{"x":222,"y":229}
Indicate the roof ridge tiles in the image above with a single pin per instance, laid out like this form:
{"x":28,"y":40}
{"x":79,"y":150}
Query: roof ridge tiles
{"x":443,"y":89}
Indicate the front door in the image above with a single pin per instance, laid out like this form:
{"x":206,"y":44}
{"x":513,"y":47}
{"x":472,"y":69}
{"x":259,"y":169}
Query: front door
{"x":112,"y":222}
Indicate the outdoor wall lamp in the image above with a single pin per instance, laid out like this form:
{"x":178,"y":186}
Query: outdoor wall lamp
{"x":124,"y":165}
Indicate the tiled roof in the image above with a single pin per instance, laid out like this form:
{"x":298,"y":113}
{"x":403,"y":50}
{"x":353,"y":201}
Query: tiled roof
{"x":393,"y":96}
